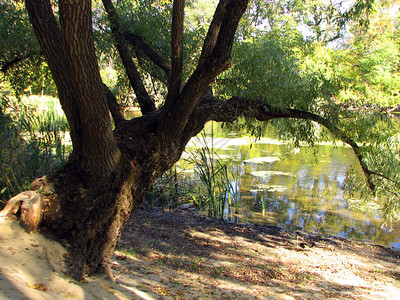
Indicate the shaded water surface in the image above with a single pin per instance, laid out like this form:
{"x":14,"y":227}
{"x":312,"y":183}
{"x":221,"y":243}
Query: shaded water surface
{"x":297,"y":189}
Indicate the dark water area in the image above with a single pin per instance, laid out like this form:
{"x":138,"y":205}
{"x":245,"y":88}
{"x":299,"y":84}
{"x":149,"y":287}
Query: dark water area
{"x":296,"y":188}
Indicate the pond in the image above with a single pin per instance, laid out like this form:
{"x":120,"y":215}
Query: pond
{"x":294,"y":188}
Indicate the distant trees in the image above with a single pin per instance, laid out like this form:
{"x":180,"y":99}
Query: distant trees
{"x":371,"y":61}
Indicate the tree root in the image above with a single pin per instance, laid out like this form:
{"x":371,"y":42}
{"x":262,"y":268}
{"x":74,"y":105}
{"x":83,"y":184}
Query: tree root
{"x":30,"y":203}
{"x":107,"y":270}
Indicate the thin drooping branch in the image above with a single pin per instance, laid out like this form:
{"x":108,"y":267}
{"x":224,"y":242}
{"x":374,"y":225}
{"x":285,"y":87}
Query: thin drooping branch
{"x":139,"y":43}
{"x":378,"y":174}
{"x":145,"y":102}
{"x":175,"y":79}
{"x":176,"y":116}
{"x":229,"y":111}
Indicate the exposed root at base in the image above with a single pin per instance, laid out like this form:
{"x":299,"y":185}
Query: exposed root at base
{"x":30,"y":203}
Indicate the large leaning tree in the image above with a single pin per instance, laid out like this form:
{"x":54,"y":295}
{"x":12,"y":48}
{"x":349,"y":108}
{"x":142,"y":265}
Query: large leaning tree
{"x":86,"y":202}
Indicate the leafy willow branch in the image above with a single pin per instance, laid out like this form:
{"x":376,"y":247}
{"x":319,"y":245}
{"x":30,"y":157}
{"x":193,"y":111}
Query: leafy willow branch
{"x":230,"y":110}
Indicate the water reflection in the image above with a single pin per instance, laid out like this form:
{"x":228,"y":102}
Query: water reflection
{"x":296,"y":189}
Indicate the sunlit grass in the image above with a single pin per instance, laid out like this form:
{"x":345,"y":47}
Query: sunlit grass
{"x":33,"y":141}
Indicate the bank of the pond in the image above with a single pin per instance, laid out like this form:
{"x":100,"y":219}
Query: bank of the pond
{"x":175,"y":254}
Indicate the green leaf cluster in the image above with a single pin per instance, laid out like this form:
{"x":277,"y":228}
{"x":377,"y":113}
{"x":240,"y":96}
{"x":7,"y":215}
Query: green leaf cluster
{"x":29,"y":73}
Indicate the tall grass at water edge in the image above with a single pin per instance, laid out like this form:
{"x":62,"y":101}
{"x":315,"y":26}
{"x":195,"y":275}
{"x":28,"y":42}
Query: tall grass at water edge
{"x":215,"y":192}
{"x":33,"y":141}
{"x":211,"y":190}
{"x":211,"y":194}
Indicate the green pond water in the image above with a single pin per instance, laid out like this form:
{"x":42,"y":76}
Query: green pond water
{"x":302,"y":189}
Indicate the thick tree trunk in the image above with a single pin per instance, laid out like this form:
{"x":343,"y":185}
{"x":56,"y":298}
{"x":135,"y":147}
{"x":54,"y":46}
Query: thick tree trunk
{"x":87,"y":215}
{"x":94,"y":193}
{"x":88,"y":211}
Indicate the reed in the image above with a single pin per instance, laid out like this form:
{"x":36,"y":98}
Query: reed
{"x":32,"y":142}
{"x":215,"y":189}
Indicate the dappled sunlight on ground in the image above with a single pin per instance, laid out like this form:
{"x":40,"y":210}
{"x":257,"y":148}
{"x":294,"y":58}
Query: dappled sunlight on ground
{"x":177,"y":255}
{"x":249,"y":262}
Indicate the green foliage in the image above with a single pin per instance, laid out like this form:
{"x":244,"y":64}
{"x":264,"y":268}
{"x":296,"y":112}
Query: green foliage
{"x":23,"y":67}
{"x":275,"y":68}
{"x":321,"y":21}
{"x":15,"y":30}
{"x":152,"y":21}
{"x":33,"y":142}
{"x":367,"y":65}
{"x":168,"y":191}
{"x":260,"y":66}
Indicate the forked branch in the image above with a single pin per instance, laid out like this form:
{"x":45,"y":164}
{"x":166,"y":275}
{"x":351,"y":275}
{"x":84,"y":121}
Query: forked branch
{"x":216,"y":59}
{"x":145,"y":102}
{"x":19,"y":57}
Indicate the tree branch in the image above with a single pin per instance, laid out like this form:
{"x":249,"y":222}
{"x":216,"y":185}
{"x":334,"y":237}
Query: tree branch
{"x":139,"y":43}
{"x":213,"y":31}
{"x":378,"y":174}
{"x":48,"y":33}
{"x":228,"y":111}
{"x":15,"y":60}
{"x":218,"y":60}
{"x":175,"y":79}
{"x":76,"y":26}
{"x":145,"y":102}
{"x":113,"y":106}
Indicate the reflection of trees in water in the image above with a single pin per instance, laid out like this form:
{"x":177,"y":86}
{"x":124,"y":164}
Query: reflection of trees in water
{"x":313,"y":205}
{"x":313,"y":200}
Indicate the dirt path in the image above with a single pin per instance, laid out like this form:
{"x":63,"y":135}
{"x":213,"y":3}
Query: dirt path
{"x":176,"y":255}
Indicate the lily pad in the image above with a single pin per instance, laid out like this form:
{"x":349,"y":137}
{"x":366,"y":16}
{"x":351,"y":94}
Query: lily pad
{"x":270,"y":188}
{"x":265,"y":159}
{"x":270,"y":173}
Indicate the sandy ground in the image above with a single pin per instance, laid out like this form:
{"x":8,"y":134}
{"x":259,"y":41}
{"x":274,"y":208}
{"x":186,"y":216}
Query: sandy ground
{"x":177,"y":255}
